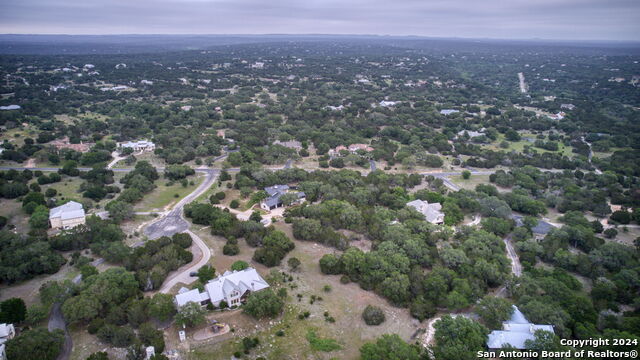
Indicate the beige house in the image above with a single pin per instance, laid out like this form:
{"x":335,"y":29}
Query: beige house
{"x":67,"y":216}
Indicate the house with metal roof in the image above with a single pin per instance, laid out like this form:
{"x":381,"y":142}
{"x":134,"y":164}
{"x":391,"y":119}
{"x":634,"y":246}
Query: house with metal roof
{"x":67,"y":216}
{"x":275,"y":192}
{"x":432,"y":212}
{"x":515,"y":332}
{"x":232,"y":287}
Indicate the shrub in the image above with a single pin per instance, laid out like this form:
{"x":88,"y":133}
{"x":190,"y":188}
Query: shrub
{"x":373,"y":315}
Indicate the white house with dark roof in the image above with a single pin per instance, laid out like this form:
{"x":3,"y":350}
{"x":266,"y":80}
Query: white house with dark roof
{"x":7,"y":332}
{"x":67,"y":216}
{"x":432,"y":212}
{"x":233,"y":287}
{"x":515,"y":332}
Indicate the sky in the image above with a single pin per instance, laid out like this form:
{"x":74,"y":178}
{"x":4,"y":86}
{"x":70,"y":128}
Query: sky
{"x":498,"y":19}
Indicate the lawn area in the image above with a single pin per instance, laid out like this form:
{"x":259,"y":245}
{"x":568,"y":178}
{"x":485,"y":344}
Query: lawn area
{"x":204,"y":198}
{"x":68,"y":189}
{"x":163,"y":196}
{"x":518,"y":146}
{"x":470,"y":183}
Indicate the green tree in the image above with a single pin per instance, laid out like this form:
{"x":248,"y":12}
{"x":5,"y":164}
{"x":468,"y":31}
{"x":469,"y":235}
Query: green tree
{"x":119,"y":211}
{"x":206,"y":273}
{"x":373,"y":315}
{"x":35,"y":344}
{"x":190,"y":314}
{"x":13,"y":311}
{"x":494,"y":311}
{"x":239,"y":265}
{"x":390,"y":347}
{"x":466,"y":174}
{"x":263,"y":304}
{"x":293,"y":263}
{"x":161,"y":306}
{"x":458,"y":338}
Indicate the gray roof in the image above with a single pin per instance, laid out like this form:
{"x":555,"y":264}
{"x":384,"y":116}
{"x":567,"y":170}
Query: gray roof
{"x":542,"y":228}
{"x":515,"y":332}
{"x":517,"y":219}
{"x":242,"y":281}
{"x":275,"y":189}
{"x":431,"y":211}
{"x":70,"y":210}
{"x":448,"y":111}
{"x":275,"y":192}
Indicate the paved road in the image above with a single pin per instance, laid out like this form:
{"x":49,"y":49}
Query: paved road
{"x":173,"y":222}
{"x":184,"y":276}
{"x":56,"y":321}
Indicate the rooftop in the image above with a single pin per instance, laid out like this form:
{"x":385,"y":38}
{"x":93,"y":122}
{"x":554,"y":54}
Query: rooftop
{"x":516,"y":331}
{"x":70,"y":210}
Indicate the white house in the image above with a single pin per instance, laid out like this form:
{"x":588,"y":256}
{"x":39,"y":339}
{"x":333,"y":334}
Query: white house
{"x":233,"y":287}
{"x":431,"y":211}
{"x":449,"y":111}
{"x":139,"y":145}
{"x":386,"y":103}
{"x":515,"y":332}
{"x":471,"y":133}
{"x":67,"y":216}
{"x":10,"y":107}
{"x":7,"y":332}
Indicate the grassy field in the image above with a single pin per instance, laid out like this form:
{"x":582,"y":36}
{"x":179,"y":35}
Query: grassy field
{"x":519,"y":146}
{"x":470,"y":183}
{"x":68,"y":188}
{"x":163,"y":195}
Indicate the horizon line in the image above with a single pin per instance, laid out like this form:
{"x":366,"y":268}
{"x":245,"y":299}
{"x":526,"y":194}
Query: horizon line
{"x":328,"y":35}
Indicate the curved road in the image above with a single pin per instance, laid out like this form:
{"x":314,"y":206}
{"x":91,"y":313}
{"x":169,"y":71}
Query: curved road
{"x":173,"y":222}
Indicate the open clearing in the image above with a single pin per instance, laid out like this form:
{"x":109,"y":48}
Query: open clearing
{"x":164,"y":195}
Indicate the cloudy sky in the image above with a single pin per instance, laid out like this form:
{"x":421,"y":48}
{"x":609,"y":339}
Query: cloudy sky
{"x":520,"y":19}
